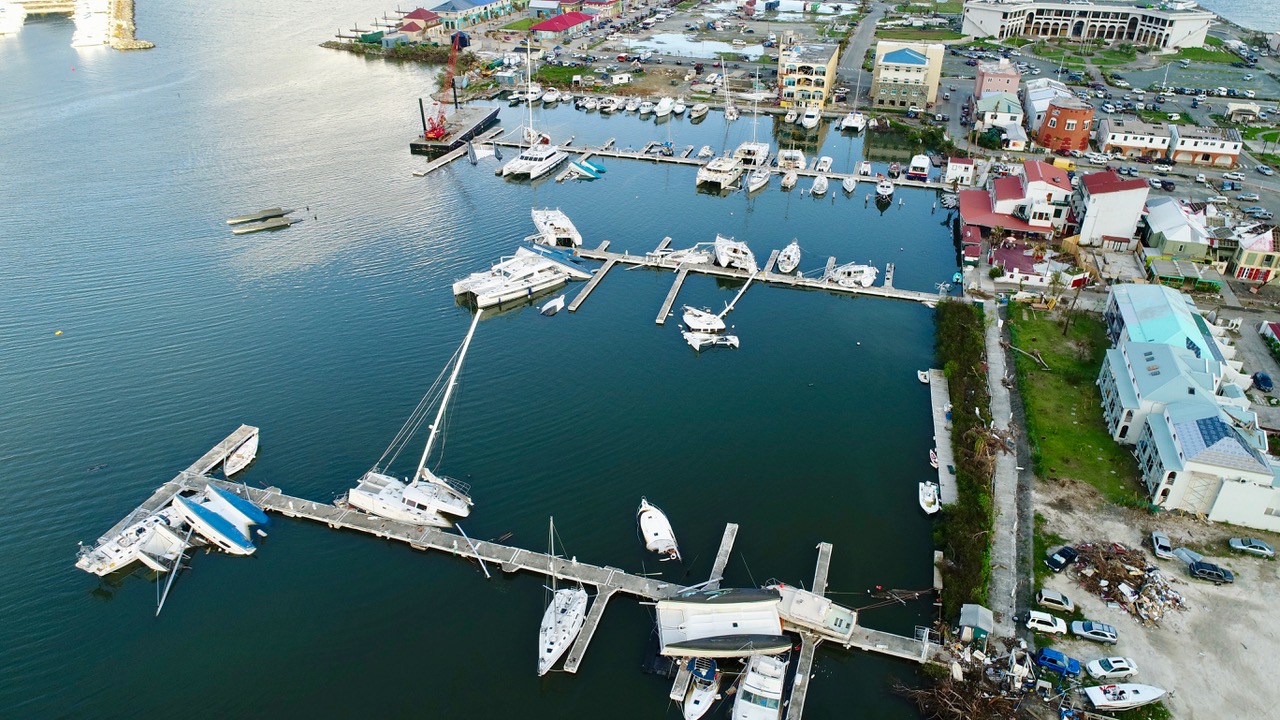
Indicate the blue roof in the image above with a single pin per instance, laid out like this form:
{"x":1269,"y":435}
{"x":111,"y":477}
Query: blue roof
{"x":1155,"y":313}
{"x":459,"y":5}
{"x":1206,"y":437}
{"x":905,"y":56}
{"x":1166,"y":373}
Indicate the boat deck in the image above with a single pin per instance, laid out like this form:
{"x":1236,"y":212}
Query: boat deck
{"x":940,"y":399}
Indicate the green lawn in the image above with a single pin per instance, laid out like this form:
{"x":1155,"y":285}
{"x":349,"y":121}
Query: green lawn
{"x":556,"y":75}
{"x":523,"y":24}
{"x":1064,"y":417}
{"x":1114,"y":57}
{"x":917,"y":34}
{"x":944,"y":8}
{"x":1203,"y":55}
{"x":1212,"y":41}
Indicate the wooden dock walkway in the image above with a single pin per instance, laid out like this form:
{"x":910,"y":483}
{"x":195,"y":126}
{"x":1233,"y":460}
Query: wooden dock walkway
{"x":722,"y":556}
{"x":455,"y":153}
{"x":671,"y":296}
{"x":940,"y":400}
{"x":588,"y":629}
{"x":809,"y":641}
{"x":581,"y":297}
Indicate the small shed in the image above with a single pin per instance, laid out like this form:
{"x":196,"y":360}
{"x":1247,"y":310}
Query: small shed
{"x":976,"y":622}
{"x":390,"y":41}
{"x":620,"y":79}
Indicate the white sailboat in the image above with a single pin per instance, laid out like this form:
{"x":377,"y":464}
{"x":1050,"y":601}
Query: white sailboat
{"x":240,"y":458}
{"x":758,"y":178}
{"x":819,"y":187}
{"x":562,"y":620}
{"x":703,"y":688}
{"x":542,"y":156}
{"x":702,"y":320}
{"x":656,"y":531}
{"x":929,"y":497}
{"x":730,"y":110}
{"x":753,"y":153}
{"x":760,"y":695}
{"x":731,"y":253}
{"x":428,"y":498}
{"x":853,"y":275}
{"x":555,"y":228}
{"x":155,"y":540}
{"x":789,"y":258}
{"x":789,"y":179}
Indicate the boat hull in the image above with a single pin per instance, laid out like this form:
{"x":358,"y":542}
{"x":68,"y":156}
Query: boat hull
{"x":729,"y":646}
{"x":656,"y":531}
{"x":240,"y":458}
{"x":561,"y":623}
{"x":213,"y":526}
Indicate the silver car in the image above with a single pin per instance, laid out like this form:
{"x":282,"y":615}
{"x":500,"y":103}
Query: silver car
{"x":1112,"y":668}
{"x":1253,"y":546}
{"x":1096,"y":631}
{"x":1161,"y":546}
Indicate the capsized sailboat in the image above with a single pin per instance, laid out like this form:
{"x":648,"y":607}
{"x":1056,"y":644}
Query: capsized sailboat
{"x":703,"y":321}
{"x":428,"y":498}
{"x":732,"y":253}
{"x":656,"y":531}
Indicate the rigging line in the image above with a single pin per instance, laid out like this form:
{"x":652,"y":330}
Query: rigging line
{"x":414,"y":421}
{"x":748,"y":567}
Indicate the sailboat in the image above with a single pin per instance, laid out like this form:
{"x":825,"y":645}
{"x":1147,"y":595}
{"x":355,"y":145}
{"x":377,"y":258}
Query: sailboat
{"x":240,"y":458}
{"x":730,"y":110}
{"x":754,"y":153}
{"x":758,"y":179}
{"x":855,"y":120}
{"x":542,"y":156}
{"x":428,"y":498}
{"x":731,"y":253}
{"x":789,"y":179}
{"x":563,"y":618}
{"x":819,"y":187}
{"x":656,"y":531}
{"x":789,"y":258}
{"x":701,"y":320}
{"x":703,"y":689}
{"x":849,"y":183}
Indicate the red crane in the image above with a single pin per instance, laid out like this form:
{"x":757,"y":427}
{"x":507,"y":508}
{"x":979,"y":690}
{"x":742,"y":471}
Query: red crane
{"x":435,"y":124}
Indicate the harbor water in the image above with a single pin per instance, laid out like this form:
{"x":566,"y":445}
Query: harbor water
{"x":137,"y":331}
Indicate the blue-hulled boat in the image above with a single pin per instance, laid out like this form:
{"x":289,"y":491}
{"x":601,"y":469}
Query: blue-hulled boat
{"x":213,"y":526}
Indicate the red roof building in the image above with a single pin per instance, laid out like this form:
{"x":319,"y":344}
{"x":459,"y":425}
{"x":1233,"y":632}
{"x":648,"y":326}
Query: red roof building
{"x":1040,"y":171}
{"x":560,"y":24}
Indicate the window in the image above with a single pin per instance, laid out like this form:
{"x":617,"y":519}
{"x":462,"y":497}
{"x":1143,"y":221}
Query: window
{"x":1071,"y":125}
{"x":1053,"y":122}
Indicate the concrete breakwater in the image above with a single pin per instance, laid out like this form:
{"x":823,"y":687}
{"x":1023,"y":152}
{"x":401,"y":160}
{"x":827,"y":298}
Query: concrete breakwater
{"x":123,"y":32}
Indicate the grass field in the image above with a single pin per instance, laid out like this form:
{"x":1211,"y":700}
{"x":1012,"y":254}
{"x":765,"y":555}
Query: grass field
{"x":1204,"y":55}
{"x":523,"y":24}
{"x":914,"y":34}
{"x":1065,"y":428}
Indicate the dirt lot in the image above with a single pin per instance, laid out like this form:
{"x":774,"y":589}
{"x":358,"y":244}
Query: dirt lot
{"x":1215,"y":657}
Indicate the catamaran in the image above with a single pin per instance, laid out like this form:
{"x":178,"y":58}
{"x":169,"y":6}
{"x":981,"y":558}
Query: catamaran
{"x":701,"y":341}
{"x":760,"y":695}
{"x":701,"y":320}
{"x":855,"y":120}
{"x":555,"y":228}
{"x":753,"y":153}
{"x":792,"y":159}
{"x":562,"y":620}
{"x":541,"y":157}
{"x":656,"y":531}
{"x":428,"y":498}
{"x":789,"y":258}
{"x":721,"y":172}
{"x":731,"y":253}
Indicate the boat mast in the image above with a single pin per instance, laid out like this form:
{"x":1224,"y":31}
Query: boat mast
{"x":444,"y":401}
{"x":528,"y":91}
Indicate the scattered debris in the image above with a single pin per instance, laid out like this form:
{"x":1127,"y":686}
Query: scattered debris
{"x":1123,"y":578}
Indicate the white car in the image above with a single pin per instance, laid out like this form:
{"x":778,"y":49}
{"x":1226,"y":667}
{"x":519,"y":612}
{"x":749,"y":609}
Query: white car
{"x":1055,"y":600}
{"x":1112,"y":668}
{"x":1217,"y":199}
{"x":1239,"y":177}
{"x":1044,"y":622}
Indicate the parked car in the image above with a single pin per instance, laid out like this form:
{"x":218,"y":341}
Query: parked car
{"x":1249,"y":197}
{"x":1264,"y":215}
{"x":1233,"y":176}
{"x":1044,"y":622}
{"x":1265,"y":170}
{"x":1061,"y":558}
{"x":1209,"y":571}
{"x":1055,"y":600}
{"x":1253,"y":546}
{"x":1162,"y":168}
{"x":1112,"y":668}
{"x":1168,"y":185}
{"x":1200,"y":178}
{"x":1051,"y":659}
{"x":1154,"y":183}
{"x":1217,"y":199}
{"x":1095,"y":631}
{"x":1161,"y":546}
{"x":1253,"y":210}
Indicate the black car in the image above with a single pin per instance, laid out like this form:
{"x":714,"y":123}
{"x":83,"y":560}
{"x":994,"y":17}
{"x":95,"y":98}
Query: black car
{"x":1213,"y":573}
{"x":1062,"y":558}
{"x":1168,"y":186}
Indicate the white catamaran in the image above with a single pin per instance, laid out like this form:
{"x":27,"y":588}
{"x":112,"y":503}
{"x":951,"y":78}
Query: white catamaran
{"x":428,"y":498}
{"x":541,"y":157}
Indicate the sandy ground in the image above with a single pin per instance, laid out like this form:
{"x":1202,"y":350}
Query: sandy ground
{"x":1215,"y":657}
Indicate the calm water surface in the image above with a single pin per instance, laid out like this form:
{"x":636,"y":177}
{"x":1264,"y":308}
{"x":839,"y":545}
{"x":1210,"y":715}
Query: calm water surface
{"x":116,"y":174}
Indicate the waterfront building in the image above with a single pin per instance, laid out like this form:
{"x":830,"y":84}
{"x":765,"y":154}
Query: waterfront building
{"x":1133,"y":138}
{"x":1068,"y":125}
{"x":1030,"y":204}
{"x":602,"y":9}
{"x":462,"y":14}
{"x":540,"y":9}
{"x":999,"y":76}
{"x":807,"y":74}
{"x":422,"y":25}
{"x":997,"y":110}
{"x":960,"y":171}
{"x":1178,"y":229}
{"x":906,"y":74}
{"x":1167,"y":26}
{"x":1213,"y":146}
{"x":1107,"y":208}
{"x":560,"y":27}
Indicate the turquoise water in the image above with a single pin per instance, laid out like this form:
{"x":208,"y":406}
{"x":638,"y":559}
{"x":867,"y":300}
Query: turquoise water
{"x":1253,"y":14}
{"x":118,"y":172}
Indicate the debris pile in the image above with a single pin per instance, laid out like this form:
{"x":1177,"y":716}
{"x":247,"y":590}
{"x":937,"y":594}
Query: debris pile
{"x":978,"y":686}
{"x":1122,"y":576}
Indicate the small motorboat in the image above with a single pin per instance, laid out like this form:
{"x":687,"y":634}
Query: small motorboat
{"x":929,"y":497}
{"x":923,"y":376}
{"x":824,"y":164}
{"x":702,"y":341}
{"x":864,"y":168}
{"x":551,"y":97}
{"x":632,"y":105}
{"x":757,"y":179}
{"x":810,"y":118}
{"x":678,"y":108}
{"x":703,"y":687}
{"x":819,"y":187}
{"x":664,"y":107}
{"x":706,"y":152}
{"x":590,"y":104}
{"x":702,"y":321}
{"x":240,"y":458}
{"x":1122,"y":696}
{"x":698,"y":111}
{"x":789,"y":258}
{"x":646,"y":108}
{"x":933,"y":458}
{"x":895,"y":169}
{"x":656,"y":531}
{"x":849,"y":184}
{"x":608,"y":105}
{"x":884,"y":189}
{"x":552,"y":307}
{"x":791,"y":117}
{"x":789,"y":179}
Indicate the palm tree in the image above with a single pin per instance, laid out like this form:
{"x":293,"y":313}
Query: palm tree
{"x":1038,"y":250}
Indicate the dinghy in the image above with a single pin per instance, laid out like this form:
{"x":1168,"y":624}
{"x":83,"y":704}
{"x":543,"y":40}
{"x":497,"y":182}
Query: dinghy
{"x":553,"y":307}
{"x":929,"y":497}
{"x":933,"y":457}
{"x":240,"y":458}
{"x":923,"y":376}
{"x":656,"y":531}
{"x":789,"y":258}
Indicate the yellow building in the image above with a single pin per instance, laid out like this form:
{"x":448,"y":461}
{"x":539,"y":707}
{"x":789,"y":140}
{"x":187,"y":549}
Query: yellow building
{"x":807,"y":74}
{"x":906,"y":74}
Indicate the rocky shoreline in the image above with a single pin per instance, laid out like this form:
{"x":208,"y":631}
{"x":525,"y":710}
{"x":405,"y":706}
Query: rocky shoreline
{"x":123,"y":31}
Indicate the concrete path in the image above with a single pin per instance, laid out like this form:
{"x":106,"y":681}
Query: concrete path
{"x":1004,"y":537}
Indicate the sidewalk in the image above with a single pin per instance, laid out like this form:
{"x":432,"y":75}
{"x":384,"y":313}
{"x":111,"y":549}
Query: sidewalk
{"x":1004,"y":486}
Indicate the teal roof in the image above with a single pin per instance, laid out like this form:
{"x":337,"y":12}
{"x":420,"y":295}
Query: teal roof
{"x":1209,"y":436}
{"x":905,"y":56}
{"x":1000,"y":102}
{"x":460,"y":5}
{"x":1158,"y":314}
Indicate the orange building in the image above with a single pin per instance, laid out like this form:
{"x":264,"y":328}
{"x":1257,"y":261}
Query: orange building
{"x":1066,"y":125}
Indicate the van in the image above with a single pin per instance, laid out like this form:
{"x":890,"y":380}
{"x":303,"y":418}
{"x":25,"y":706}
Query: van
{"x":1065,"y":164}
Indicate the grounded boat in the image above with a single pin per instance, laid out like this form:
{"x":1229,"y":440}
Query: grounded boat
{"x":853,"y":275}
{"x":212,"y":525}
{"x":698,"y":111}
{"x":810,"y":118}
{"x":721,"y":172}
{"x":664,"y":107}
{"x":929,"y":497}
{"x":789,"y":179}
{"x":789,"y":258}
{"x":524,"y":281}
{"x":702,"y":321}
{"x":429,"y":497}
{"x":731,"y":253}
{"x":884,"y":188}
{"x":864,"y":168}
{"x":555,"y":228}
{"x":854,"y":121}
{"x":275,"y":223}
{"x":792,"y":159}
{"x":702,"y":341}
{"x":824,"y":164}
{"x":760,"y":695}
{"x":819,"y":187}
{"x":815,"y":612}
{"x":656,"y":531}
{"x":553,"y":307}
{"x":156,"y":540}
{"x":240,"y":458}
{"x":933,"y":457}
{"x":699,"y":254}
{"x":561,"y":621}
{"x":703,"y":688}
{"x":1122,"y":696}
{"x":705,"y":152}
{"x":849,"y":183}
{"x":258,"y":216}
{"x":918,"y":169}
{"x":758,"y":179}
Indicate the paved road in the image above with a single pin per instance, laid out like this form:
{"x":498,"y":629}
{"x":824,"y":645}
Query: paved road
{"x":856,"y":50}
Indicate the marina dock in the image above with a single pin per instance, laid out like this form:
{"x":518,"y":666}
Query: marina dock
{"x":454,"y":154}
{"x":940,"y":400}
{"x":463,"y":124}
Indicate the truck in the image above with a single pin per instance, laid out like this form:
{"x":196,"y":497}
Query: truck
{"x":1064,"y":163}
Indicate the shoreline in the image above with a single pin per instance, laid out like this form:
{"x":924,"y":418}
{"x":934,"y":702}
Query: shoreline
{"x":123,"y":34}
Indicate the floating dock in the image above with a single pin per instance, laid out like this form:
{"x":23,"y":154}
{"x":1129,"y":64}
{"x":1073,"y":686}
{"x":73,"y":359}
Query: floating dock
{"x":940,"y":401}
{"x":463,"y":124}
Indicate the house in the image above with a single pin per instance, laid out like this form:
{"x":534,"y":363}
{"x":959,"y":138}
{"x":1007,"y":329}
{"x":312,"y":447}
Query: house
{"x":1036,"y":96}
{"x":1214,"y":146}
{"x":430,"y":27}
{"x":999,"y":76}
{"x":997,"y":109}
{"x":1030,"y":204}
{"x":559,"y":27}
{"x":1106,"y":208}
{"x":1256,"y":258}
{"x":906,"y":74}
{"x":1133,"y":138}
{"x":807,"y":74}
{"x":1243,"y":112}
{"x":960,"y":171}
{"x":602,"y":9}
{"x":1167,"y":26}
{"x":1176,"y":229}
{"x":1067,"y":124}
{"x":541,"y":9}
{"x":462,"y":14}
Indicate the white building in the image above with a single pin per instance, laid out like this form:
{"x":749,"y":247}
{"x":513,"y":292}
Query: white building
{"x":1168,"y":26}
{"x":1036,"y":96}
{"x":1040,"y":195}
{"x":1107,"y":208}
{"x":1133,"y":138}
{"x":1195,"y":145}
{"x":960,"y":171}
{"x":997,"y":109}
